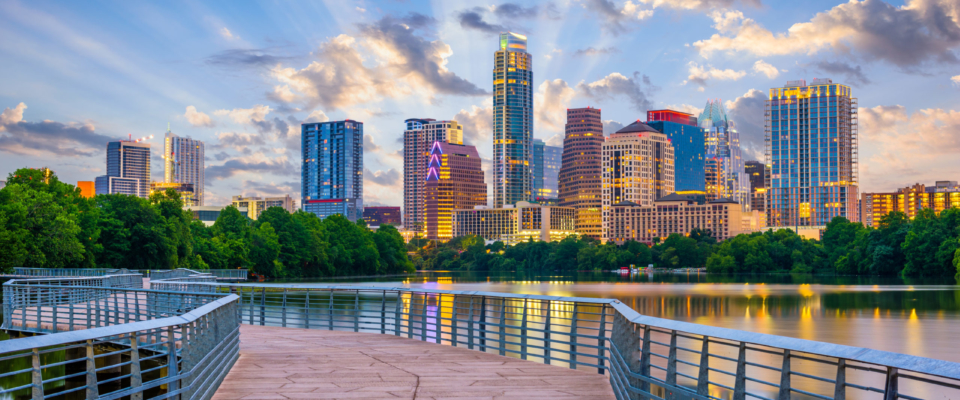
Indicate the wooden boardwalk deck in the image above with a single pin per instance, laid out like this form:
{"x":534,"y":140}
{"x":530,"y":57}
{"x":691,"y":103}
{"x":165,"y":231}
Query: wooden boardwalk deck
{"x":290,"y":363}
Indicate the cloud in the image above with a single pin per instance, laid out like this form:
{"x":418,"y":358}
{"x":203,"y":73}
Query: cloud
{"x":72,"y":139}
{"x":514,"y":11}
{"x":550,"y":104}
{"x":241,"y":142}
{"x":402,"y":62}
{"x":254,"y":164}
{"x":555,"y":140}
{"x":316,"y":116}
{"x":634,"y":88}
{"x":698,"y":4}
{"x":684,"y":108}
{"x":770,"y":71}
{"x":260,"y":188}
{"x":477,"y":124}
{"x":590,"y":51}
{"x":853,"y":74}
{"x":245,"y":58}
{"x":700,"y":75}
{"x":617,"y":20}
{"x":197,"y":118}
{"x":956,"y":79}
{"x":747,"y":114}
{"x":369,"y":146}
{"x":382,"y":178}
{"x":473,"y":19}
{"x":920,"y":32}
{"x":226,"y":34}
{"x":610,"y":126}
{"x":246,"y":115}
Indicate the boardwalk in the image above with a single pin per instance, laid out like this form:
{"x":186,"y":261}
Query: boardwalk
{"x":289,"y":363}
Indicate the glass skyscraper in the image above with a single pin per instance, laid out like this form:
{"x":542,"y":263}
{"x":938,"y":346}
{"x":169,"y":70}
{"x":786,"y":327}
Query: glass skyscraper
{"x":811,"y":150}
{"x":128,"y":169}
{"x":183,"y":163}
{"x":723,"y":152}
{"x":512,"y":121}
{"x":688,"y":146}
{"x":332,"y":174}
{"x":546,"y":169}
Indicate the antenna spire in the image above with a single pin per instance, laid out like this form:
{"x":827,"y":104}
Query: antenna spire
{"x":168,"y":126}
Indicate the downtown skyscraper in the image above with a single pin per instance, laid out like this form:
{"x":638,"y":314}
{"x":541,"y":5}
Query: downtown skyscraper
{"x":546,"y":169}
{"x":183,"y":164}
{"x":332,"y":174}
{"x":811,"y":150}
{"x":512,"y":121}
{"x":726,"y":177}
{"x":419,"y":136}
{"x":128,"y":169}
{"x":454,"y":182}
{"x":579,"y":180}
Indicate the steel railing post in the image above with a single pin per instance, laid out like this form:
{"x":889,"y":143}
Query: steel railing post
{"x":483,"y":323}
{"x":503,"y":327}
{"x":172,"y":368}
{"x":136,"y":378}
{"x":523,"y":332}
{"x":263,"y":306}
{"x":602,"y":341}
{"x":397,"y":314}
{"x":840,"y":390}
{"x":453,"y":322}
{"x":383,"y":313}
{"x":740,"y":381}
{"x":330,"y":312}
{"x":891,"y":389}
{"x":470,"y":325}
{"x":672,"y":366}
{"x":356,"y":311}
{"x":546,"y":335}
{"x":306,"y":310}
{"x":645,"y":359}
{"x":573,"y":337}
{"x":785,"y":377}
{"x":283,"y":310}
{"x":37,"y":375}
{"x":92,"y":390}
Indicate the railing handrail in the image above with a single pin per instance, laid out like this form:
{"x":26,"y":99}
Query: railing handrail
{"x":63,"y":278}
{"x":40,"y":341}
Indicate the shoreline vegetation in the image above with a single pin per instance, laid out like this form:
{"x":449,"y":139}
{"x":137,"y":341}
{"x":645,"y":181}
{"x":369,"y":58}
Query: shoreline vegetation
{"x":45,"y":223}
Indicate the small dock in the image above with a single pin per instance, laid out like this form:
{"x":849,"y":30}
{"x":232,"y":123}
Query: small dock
{"x":289,"y":363}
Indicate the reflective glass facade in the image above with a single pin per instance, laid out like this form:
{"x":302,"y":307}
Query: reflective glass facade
{"x":723,"y":147}
{"x":332,"y":173}
{"x":512,"y":121}
{"x":688,"y":148}
{"x":546,"y":170}
{"x":183,"y":162}
{"x":128,"y":169}
{"x":811,"y":138}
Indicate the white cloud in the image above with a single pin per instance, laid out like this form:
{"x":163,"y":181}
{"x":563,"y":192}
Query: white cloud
{"x":550,"y":103}
{"x":246,"y":115}
{"x":197,"y":118}
{"x":770,"y":71}
{"x":684,"y":108}
{"x":12,"y":115}
{"x":955,"y":80}
{"x":631,"y":10}
{"x":317,"y":116}
{"x":226,"y":34}
{"x":477,"y":124}
{"x":907,"y":36}
{"x":635,"y":88}
{"x":701,"y":74}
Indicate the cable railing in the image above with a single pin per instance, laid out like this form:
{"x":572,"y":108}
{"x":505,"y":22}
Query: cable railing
{"x":109,"y":342}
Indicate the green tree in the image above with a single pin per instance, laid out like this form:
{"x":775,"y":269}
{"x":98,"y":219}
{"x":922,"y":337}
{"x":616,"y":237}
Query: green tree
{"x":264,"y":250}
{"x":35,"y":221}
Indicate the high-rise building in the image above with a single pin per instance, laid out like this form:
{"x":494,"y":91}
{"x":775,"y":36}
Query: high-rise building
{"x":546,"y":170}
{"x":811,"y":148}
{"x":418,"y":138}
{"x":186,"y":190}
{"x":454,"y":181}
{"x":910,"y":200}
{"x":757,"y":172}
{"x":87,"y":189}
{"x":512,"y":121}
{"x":376,"y":216}
{"x":579,"y":179}
{"x":183,"y":161}
{"x":332,"y":174}
{"x":128,"y":169}
{"x":513,"y":224}
{"x":723,"y":150}
{"x":688,"y":146}
{"x":638,"y":166}
{"x":257,"y":205}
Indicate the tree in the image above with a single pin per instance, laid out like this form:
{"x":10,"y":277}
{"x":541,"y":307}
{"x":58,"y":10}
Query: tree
{"x":264,"y":249}
{"x":39,"y":231}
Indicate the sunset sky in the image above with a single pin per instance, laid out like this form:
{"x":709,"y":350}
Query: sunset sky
{"x":242,"y":76}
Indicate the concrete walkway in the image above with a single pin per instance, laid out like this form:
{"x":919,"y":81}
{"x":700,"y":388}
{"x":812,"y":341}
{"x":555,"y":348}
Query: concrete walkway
{"x":290,"y":363}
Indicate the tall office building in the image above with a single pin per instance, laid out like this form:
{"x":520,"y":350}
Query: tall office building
{"x":418,"y":139}
{"x":183,"y":161}
{"x":723,"y":151}
{"x":688,"y":146}
{"x":332,"y":174}
{"x":811,"y":148}
{"x":454,"y":181}
{"x":546,"y":170}
{"x":128,"y":169}
{"x":757,"y":172}
{"x":512,"y":121}
{"x":579,"y":181}
{"x":638,"y":167}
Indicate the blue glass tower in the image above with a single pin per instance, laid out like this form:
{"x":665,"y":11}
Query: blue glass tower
{"x":512,"y":121}
{"x":688,"y":147}
{"x":332,"y":173}
{"x":128,"y":169}
{"x":723,"y":149}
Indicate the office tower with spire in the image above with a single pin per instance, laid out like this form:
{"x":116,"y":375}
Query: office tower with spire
{"x":725,"y":175}
{"x":128,"y":169}
{"x":811,"y":152}
{"x":454,"y":181}
{"x":579,"y":183}
{"x":419,"y":136}
{"x":512,"y":121}
{"x":183,"y":164}
{"x":332,"y":169}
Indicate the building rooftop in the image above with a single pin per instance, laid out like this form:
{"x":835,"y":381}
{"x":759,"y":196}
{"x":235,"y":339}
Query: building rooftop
{"x":637,"y":127}
{"x":725,"y":200}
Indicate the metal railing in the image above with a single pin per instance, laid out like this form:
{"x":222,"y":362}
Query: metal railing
{"x":63,"y":272}
{"x":116,"y":342}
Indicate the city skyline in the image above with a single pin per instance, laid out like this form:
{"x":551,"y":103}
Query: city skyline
{"x":245,"y":83}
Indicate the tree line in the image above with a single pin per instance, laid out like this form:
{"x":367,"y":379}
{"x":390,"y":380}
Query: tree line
{"x":928,"y":245}
{"x":46,"y":223}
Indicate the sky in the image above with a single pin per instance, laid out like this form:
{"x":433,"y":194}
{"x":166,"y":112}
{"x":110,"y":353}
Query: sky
{"x":243,"y":76}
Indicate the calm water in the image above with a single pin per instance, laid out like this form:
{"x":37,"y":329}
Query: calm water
{"x":918,"y":317}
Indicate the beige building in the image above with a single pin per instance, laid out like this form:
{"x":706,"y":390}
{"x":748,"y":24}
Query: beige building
{"x":638,"y":167}
{"x":257,"y":205}
{"x":724,"y":218}
{"x":909,"y":200}
{"x":418,"y":139}
{"x":515,"y":224}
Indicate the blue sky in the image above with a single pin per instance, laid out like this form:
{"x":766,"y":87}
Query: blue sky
{"x":242,"y":76}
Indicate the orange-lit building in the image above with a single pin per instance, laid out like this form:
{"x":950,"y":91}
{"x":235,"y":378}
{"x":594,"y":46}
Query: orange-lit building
{"x":454,"y":181}
{"x":724,"y":218}
{"x":87,"y":189}
{"x":579,"y":181}
{"x":910,"y":200}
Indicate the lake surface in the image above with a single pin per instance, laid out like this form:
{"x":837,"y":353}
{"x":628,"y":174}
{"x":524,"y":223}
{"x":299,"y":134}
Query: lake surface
{"x":918,"y":317}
